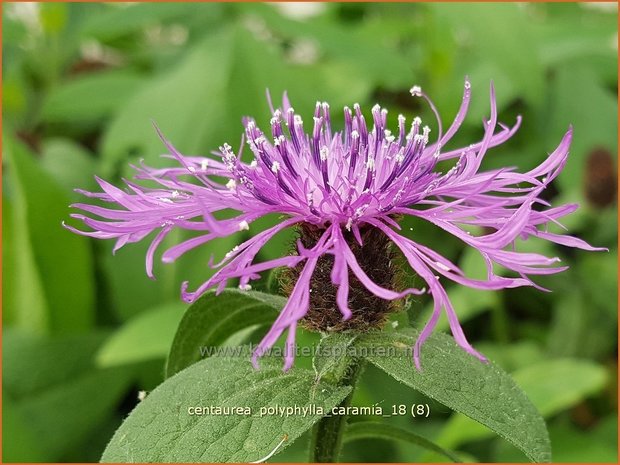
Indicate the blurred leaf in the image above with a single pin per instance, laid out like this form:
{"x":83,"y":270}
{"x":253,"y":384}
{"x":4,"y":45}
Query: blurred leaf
{"x":119,"y":20}
{"x":513,"y":356}
{"x":573,"y":445}
{"x":161,"y":429}
{"x":479,"y":390}
{"x":372,"y":57}
{"x":53,"y":17}
{"x":213,"y":318}
{"x":145,"y":337}
{"x":69,"y":164}
{"x":375,"y":429}
{"x":53,"y":278}
{"x":32,"y":364}
{"x":8,"y":262}
{"x":55,"y":391}
{"x":495,"y":44}
{"x":578,"y":98}
{"x":552,"y":386}
{"x":19,"y":443}
{"x":63,"y":416}
{"x":90,"y":97}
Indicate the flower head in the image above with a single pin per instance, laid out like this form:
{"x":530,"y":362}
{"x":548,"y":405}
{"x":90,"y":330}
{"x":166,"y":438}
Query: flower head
{"x":341,"y":185}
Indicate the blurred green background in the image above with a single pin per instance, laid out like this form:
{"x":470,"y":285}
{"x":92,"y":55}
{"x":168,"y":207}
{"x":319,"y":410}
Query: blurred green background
{"x":84,"y":331}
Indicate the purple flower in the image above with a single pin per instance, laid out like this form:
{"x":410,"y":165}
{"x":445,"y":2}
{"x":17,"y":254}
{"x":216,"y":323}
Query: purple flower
{"x":343,"y":183}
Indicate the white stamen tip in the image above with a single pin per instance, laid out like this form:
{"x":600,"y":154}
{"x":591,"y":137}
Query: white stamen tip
{"x":174,"y":194}
{"x":141,"y":395}
{"x":232,"y":184}
{"x":416,"y":91}
{"x":324,"y":153}
{"x":355,"y":134}
{"x":245,"y":287}
{"x":244,"y":226}
{"x":349,"y":224}
{"x":204,"y":164}
{"x":253,"y":164}
{"x":191,"y":169}
{"x":275,"y":167}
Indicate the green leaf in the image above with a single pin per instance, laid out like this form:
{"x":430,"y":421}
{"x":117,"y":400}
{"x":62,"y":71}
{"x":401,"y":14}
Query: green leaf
{"x":594,"y":128}
{"x":91,"y":97}
{"x":55,"y":392}
{"x":494,"y":44}
{"x":552,"y":386}
{"x":145,"y":337}
{"x":375,"y":429}
{"x":161,"y":429}
{"x":117,"y":22}
{"x":53,"y":277}
{"x":64,"y":416}
{"x":482,"y":391}
{"x":70,"y":165}
{"x":212,"y":319}
{"x":333,"y":355}
{"x":18,"y":440}
{"x":30,"y":364}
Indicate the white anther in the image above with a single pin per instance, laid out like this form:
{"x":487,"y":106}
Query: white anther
{"x":355,"y":134}
{"x":400,"y":156}
{"x":416,"y":91}
{"x":275,"y":167}
{"x":253,"y":164}
{"x":165,"y":199}
{"x":467,"y":85}
{"x":141,"y":395}
{"x":251,"y":125}
{"x":298,"y":120}
{"x":349,"y":224}
{"x":417,"y":120}
{"x":191,"y":169}
{"x":234,"y":249}
{"x":370,"y":164}
{"x":244,"y":226}
{"x":401,"y":119}
{"x":174,"y":194}
{"x":231,"y":184}
{"x":324,"y":153}
{"x":325,"y":106}
{"x":245,"y":287}
{"x":204,"y":164}
{"x":376,"y":107}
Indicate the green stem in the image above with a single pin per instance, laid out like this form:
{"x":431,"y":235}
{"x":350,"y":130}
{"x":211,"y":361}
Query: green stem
{"x":327,"y":433}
